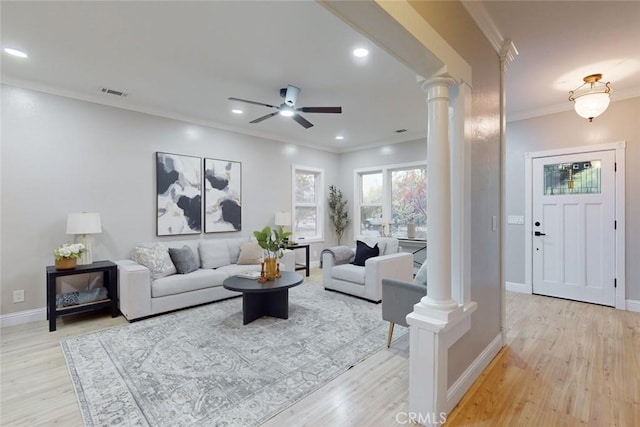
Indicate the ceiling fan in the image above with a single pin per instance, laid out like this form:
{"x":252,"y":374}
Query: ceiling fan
{"x":288,"y":107}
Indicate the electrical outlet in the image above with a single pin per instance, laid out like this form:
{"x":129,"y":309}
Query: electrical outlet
{"x":18,"y":296}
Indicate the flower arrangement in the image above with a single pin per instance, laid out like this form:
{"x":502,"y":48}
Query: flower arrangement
{"x":69,"y":251}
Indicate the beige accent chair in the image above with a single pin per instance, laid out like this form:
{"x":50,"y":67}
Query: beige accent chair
{"x":366,"y":282}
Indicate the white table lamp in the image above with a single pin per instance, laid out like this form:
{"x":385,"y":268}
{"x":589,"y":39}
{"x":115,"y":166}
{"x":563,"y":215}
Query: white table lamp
{"x":83,"y":225}
{"x":283,"y":219}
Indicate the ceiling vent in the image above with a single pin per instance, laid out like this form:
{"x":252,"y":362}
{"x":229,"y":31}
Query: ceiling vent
{"x":112,"y":92}
{"x":400,"y":130}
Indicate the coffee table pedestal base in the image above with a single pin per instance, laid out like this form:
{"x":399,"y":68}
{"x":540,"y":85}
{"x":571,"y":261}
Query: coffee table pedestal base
{"x":257,"y":305}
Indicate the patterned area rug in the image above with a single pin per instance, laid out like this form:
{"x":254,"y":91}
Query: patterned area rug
{"x":203,"y":367}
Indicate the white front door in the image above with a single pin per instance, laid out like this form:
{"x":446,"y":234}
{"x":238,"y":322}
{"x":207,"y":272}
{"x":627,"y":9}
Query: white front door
{"x":573,"y":226}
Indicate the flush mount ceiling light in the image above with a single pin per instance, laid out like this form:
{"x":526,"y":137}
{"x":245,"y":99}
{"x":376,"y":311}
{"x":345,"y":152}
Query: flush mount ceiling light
{"x":592,"y":98}
{"x":15,"y":52}
{"x":360,"y":52}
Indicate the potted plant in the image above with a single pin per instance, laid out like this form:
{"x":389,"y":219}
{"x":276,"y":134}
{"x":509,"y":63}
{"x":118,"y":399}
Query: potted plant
{"x":273,"y":241}
{"x":66,"y":255}
{"x":339,"y":215}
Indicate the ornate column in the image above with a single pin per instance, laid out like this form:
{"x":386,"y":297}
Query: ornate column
{"x":438,"y":195}
{"x":437,"y":321}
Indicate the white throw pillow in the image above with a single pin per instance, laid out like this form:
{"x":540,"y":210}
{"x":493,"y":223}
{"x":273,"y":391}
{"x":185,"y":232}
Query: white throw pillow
{"x":214,"y":253}
{"x":250,"y":253}
{"x":156,"y":259}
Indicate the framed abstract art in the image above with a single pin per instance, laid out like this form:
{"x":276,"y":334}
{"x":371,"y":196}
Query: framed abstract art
{"x":222,"y":196}
{"x":179,"y":194}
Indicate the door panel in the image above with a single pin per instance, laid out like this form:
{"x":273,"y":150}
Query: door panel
{"x":573,"y":247}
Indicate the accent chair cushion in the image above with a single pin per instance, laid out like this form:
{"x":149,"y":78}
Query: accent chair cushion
{"x":364,"y":252}
{"x":421,"y":276}
{"x":214,"y":253}
{"x":156,"y":259}
{"x":250,"y":253}
{"x":184,"y":259}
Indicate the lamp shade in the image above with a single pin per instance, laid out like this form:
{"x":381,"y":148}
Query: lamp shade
{"x":283,"y":218}
{"x":591,"y":105}
{"x":84,"y":223}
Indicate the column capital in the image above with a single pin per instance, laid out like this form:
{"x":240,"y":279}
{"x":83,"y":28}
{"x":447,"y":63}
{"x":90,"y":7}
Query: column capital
{"x":437,"y":86}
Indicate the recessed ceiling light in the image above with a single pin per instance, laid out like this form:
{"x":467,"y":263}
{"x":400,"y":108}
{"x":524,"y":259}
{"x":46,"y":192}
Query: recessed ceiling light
{"x":360,"y":52}
{"x":236,"y":111}
{"x":339,"y":137}
{"x":16,"y":52}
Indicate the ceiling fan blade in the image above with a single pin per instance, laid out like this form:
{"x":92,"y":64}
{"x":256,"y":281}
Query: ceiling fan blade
{"x":259,"y":119}
{"x":253,"y":102}
{"x":320,"y":109}
{"x":304,"y":122}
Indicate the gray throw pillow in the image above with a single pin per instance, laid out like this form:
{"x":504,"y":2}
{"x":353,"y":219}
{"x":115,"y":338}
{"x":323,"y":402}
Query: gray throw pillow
{"x":184,"y":259}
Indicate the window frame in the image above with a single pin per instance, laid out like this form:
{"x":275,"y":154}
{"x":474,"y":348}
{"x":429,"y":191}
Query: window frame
{"x":318,"y":205}
{"x":387,"y":189}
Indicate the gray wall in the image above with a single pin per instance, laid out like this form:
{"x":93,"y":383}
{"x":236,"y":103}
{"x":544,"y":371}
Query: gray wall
{"x":621,"y":122}
{"x":61,"y":155}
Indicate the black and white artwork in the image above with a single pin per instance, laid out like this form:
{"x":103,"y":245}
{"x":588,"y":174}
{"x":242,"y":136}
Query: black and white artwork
{"x":222,"y":196}
{"x":179,"y":188}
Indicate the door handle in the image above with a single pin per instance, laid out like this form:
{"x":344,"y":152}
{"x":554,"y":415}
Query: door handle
{"x":537,"y":233}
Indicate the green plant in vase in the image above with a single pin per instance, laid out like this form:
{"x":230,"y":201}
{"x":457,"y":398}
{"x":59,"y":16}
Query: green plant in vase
{"x":273,"y":241}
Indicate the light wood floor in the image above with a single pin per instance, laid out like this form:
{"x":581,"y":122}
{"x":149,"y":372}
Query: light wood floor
{"x":565,"y":364}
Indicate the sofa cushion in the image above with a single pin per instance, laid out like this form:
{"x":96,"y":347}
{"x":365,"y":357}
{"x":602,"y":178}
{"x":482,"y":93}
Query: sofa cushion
{"x":156,"y":258}
{"x":364,"y":252}
{"x":180,"y":283}
{"x":214,"y":253}
{"x":184,"y":259}
{"x":250,"y":253}
{"x":349,"y":273}
{"x":233,"y":245}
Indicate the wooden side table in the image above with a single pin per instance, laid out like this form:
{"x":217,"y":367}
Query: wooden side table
{"x":304,"y":266}
{"x":110,"y":276}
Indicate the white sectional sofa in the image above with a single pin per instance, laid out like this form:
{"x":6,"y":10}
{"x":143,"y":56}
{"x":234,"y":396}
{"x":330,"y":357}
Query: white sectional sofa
{"x":147,"y":290}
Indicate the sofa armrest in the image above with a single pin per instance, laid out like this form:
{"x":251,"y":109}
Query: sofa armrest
{"x":398,"y":299}
{"x":134,"y":289}
{"x":288,"y":261}
{"x":397,"y":266}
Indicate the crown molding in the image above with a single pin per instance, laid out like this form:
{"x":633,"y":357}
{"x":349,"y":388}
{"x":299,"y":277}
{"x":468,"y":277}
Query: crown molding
{"x":505,"y":48}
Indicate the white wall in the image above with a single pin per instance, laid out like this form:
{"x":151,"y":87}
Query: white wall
{"x":621,"y":122}
{"x":61,"y":155}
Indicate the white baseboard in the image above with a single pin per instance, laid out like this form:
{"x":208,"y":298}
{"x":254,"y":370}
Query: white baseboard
{"x":517,"y":287}
{"x":633,"y":305}
{"x":21,"y":317}
{"x":466,"y":380}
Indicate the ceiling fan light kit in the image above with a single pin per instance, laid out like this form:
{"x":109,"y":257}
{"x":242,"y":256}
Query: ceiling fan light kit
{"x":288,"y":108}
{"x":592,"y":100}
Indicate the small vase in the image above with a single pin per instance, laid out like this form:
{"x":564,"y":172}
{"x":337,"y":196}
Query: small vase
{"x":65,"y":264}
{"x":271,"y":266}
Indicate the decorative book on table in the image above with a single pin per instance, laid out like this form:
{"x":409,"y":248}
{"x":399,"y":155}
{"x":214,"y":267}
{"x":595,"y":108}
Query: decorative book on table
{"x":249,"y":275}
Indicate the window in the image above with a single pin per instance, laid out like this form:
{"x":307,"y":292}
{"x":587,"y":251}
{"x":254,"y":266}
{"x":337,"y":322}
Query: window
{"x":308,"y":197}
{"x":392,"y":201}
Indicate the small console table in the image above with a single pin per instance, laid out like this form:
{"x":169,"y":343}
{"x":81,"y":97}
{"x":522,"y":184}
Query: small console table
{"x":110,"y":275}
{"x":304,"y":266}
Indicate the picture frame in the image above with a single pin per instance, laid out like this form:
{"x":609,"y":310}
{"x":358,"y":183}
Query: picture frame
{"x":222,"y":195}
{"x":178,"y":194}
